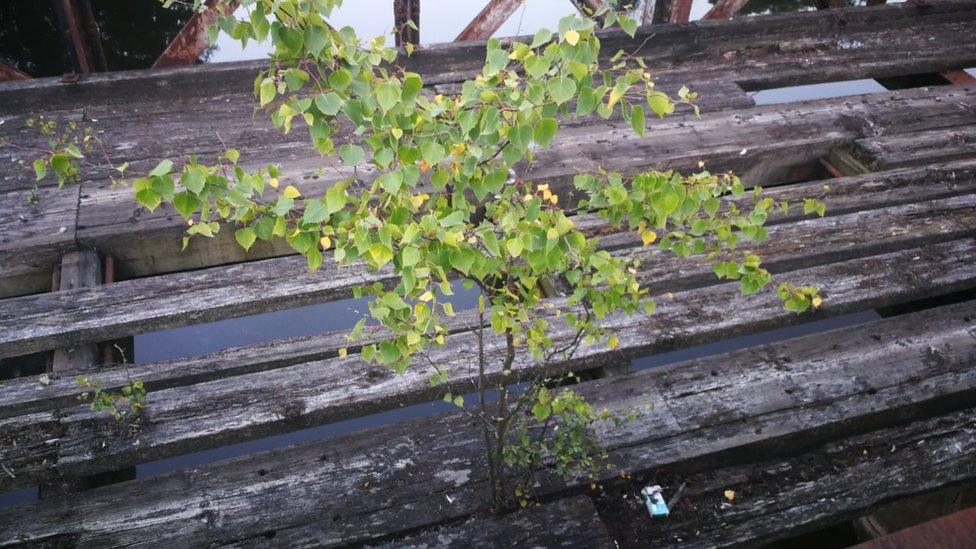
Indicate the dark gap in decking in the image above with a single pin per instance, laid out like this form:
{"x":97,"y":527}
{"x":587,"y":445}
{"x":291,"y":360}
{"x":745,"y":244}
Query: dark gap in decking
{"x":200,"y":339}
{"x":26,"y":365}
{"x":929,"y":303}
{"x":770,"y":336}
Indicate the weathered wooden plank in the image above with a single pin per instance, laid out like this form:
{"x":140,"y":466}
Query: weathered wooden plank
{"x":33,"y":236}
{"x":773,"y":141}
{"x":779,"y":498}
{"x":182,"y":419}
{"x":179,"y":299}
{"x":33,"y":323}
{"x":817,"y":241}
{"x":895,"y":151}
{"x":419,"y":474}
{"x":685,"y":54}
{"x":957,"y":529}
{"x":81,"y":269}
{"x":570,"y":522}
{"x":846,"y":195}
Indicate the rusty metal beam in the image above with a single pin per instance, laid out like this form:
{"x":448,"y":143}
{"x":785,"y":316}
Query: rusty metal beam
{"x":959,"y":77}
{"x":9,"y":72}
{"x":403,"y":12}
{"x":677,"y":11}
{"x":489,"y":20}
{"x":725,"y":9}
{"x":192,"y":40}
{"x":74,"y":35}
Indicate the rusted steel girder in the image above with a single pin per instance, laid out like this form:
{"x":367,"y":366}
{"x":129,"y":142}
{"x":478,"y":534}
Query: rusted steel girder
{"x":676,"y":11}
{"x":74,"y":35}
{"x":725,"y":9}
{"x":9,"y":72}
{"x":489,"y":20}
{"x":403,"y":12}
{"x":192,"y":40}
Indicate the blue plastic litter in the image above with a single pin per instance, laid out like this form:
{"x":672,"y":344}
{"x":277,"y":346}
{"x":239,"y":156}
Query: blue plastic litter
{"x":655,"y":501}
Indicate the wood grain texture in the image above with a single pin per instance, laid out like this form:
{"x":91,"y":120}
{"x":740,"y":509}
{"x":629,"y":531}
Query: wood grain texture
{"x":140,"y":305}
{"x":72,"y":441}
{"x":40,"y":322}
{"x":571,"y":522}
{"x":374,"y":484}
{"x":776,"y":499}
{"x":711,"y":59}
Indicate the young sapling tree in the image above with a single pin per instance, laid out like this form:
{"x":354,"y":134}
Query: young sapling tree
{"x":444,"y":201}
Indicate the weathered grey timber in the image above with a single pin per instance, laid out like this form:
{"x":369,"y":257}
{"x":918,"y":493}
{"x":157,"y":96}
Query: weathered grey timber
{"x":45,"y":321}
{"x":191,"y":417}
{"x":81,"y":269}
{"x":183,"y":298}
{"x":375,"y":484}
{"x":762,"y":420}
{"x":842,"y":480}
{"x":571,"y":522}
{"x":139,"y":129}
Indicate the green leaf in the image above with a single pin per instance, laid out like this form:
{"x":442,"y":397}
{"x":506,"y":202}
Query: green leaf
{"x":391,"y":181}
{"x":410,"y":256}
{"x":514,"y":246}
{"x":433,"y":152}
{"x":412,"y":84}
{"x":163,"y":168}
{"x":40,"y":169}
{"x":660,"y":104}
{"x":185,"y":203}
{"x":637,"y":120}
{"x":149,"y":198}
{"x":541,"y":37}
{"x":340,"y":79}
{"x":544,"y":131}
{"x":388,"y":95}
{"x":194,"y":178}
{"x":627,"y":24}
{"x":328,"y":103}
{"x":351,"y":155}
{"x":245,"y":237}
{"x":267,"y":91}
{"x":541,"y":411}
{"x":562,"y":89}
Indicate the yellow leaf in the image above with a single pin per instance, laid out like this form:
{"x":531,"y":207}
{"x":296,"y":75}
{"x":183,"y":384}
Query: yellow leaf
{"x":397,"y":133}
{"x":326,"y":242}
{"x":273,"y":182}
{"x":343,"y":352}
{"x":648,"y":237}
{"x":572,"y":37}
{"x":291,"y":192}
{"x":413,"y":338}
{"x":730,"y":495}
{"x":553,"y":199}
{"x":613,"y":342}
{"x":426,"y":296}
{"x":544,"y":187}
{"x":817,"y":301}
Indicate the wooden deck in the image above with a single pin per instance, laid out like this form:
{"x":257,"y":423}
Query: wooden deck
{"x":809,"y":432}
